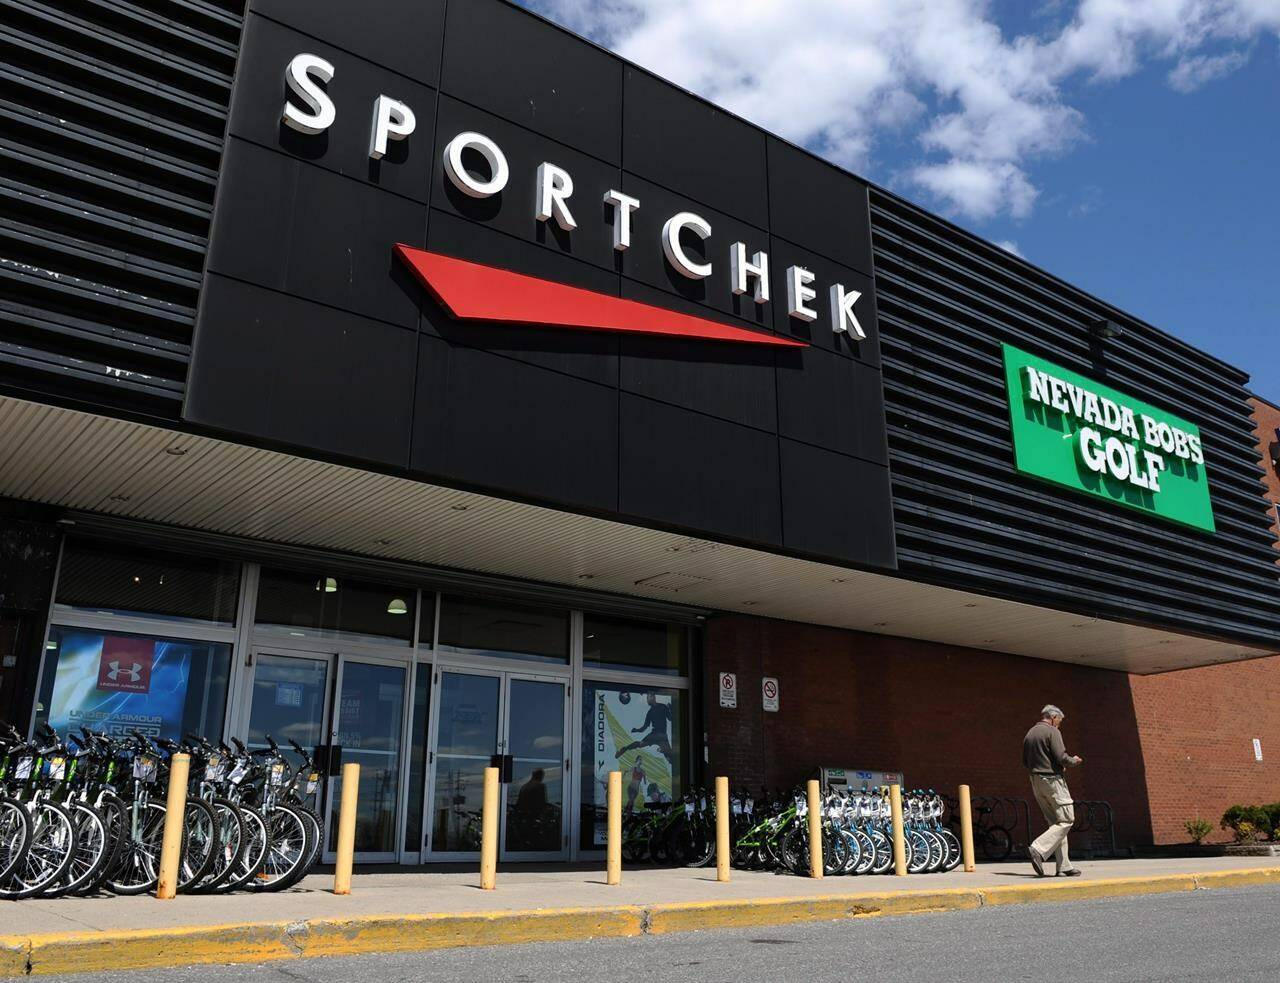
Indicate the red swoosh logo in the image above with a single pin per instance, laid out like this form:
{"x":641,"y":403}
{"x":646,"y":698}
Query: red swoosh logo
{"x":474,"y":292}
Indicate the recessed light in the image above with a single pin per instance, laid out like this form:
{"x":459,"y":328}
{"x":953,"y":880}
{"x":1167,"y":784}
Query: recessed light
{"x":459,"y":507}
{"x":881,"y":624}
{"x":988,"y":641}
{"x":382,"y":542}
{"x":298,"y":634}
{"x":118,"y":498}
{"x":839,"y":580}
{"x":673,"y":549}
{"x":137,"y":580}
{"x":749,"y":603}
{"x":586,"y":576}
{"x":175,"y":450}
{"x":971,"y":605}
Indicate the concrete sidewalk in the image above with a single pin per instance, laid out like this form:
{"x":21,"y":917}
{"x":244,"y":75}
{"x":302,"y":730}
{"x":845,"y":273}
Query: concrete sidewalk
{"x":418,"y":910}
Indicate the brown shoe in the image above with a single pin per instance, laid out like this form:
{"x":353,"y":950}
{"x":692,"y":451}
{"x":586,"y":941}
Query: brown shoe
{"x":1037,"y":862}
{"x":1073,"y":872}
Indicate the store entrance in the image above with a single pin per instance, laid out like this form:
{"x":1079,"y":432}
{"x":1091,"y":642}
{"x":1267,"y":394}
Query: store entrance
{"x":349,"y":708}
{"x":519,"y":723}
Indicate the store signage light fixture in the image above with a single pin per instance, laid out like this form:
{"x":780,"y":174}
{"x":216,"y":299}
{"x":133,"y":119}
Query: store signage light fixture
{"x":308,"y":109}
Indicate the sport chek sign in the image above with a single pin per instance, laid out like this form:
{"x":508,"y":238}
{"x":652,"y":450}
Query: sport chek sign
{"x":1075,"y":432}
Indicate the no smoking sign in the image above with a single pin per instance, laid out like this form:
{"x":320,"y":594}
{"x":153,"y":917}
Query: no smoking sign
{"x":769,"y":693}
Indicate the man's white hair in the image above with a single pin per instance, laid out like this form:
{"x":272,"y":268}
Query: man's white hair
{"x":1050,"y":711}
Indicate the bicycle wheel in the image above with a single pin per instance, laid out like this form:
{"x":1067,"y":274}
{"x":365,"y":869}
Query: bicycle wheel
{"x":138,"y":865}
{"x":937,"y":851}
{"x":115,"y":818}
{"x":997,"y":844}
{"x":917,"y":852}
{"x":953,"y":850}
{"x":230,"y":842}
{"x":15,"y":837}
{"x":253,"y":852}
{"x":851,"y":850}
{"x":883,"y":852}
{"x":867,"y":851}
{"x":201,"y":847}
{"x":92,"y":851}
{"x":53,"y":844}
{"x":288,"y":850}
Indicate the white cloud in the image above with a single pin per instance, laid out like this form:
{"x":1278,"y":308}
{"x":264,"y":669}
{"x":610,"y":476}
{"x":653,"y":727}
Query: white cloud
{"x":1193,"y":73}
{"x":843,"y":76}
{"x":1009,"y":246}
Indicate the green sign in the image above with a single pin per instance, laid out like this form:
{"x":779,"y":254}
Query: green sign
{"x":1075,"y":432}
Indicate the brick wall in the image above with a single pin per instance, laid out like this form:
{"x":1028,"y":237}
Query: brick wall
{"x":942,"y":715}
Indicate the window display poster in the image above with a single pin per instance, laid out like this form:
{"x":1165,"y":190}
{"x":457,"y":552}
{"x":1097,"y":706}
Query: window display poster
{"x":637,"y":733}
{"x":120,"y":683}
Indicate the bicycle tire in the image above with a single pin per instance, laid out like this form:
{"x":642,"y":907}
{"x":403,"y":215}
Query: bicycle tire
{"x":53,"y":840}
{"x":138,"y":866}
{"x":953,"y":850}
{"x":93,"y":843}
{"x":997,"y":844}
{"x":883,"y":852}
{"x":113,"y":814}
{"x":253,"y":852}
{"x":200,"y":845}
{"x":288,"y":851}
{"x":230,"y":843}
{"x":917,"y":852}
{"x":867,"y":856}
{"x":15,"y":836}
{"x":315,"y":840}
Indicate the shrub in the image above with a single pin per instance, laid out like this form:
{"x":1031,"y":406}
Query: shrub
{"x":1272,"y":813}
{"x":1257,"y":818}
{"x":1197,"y":829}
{"x":1246,"y":832}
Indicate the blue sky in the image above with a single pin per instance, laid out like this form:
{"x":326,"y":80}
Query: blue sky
{"x":1127,"y":146}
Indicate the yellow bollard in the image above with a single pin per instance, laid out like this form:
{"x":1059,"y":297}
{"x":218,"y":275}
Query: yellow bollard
{"x":815,"y":828}
{"x":346,"y":828}
{"x":615,"y":828}
{"x":966,"y":830}
{"x":489,"y":832}
{"x":171,"y":843}
{"x":899,"y":840}
{"x":722,"y":829}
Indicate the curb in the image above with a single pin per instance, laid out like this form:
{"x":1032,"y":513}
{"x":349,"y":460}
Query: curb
{"x":84,"y":952}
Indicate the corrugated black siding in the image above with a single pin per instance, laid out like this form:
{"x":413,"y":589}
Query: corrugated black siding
{"x":966,"y":518}
{"x":111,"y":126}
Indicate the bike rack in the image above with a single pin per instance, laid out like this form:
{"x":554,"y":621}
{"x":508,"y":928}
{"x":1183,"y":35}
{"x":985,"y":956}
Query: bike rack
{"x":1096,"y":817}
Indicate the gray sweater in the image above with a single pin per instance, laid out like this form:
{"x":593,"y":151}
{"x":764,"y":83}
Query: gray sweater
{"x":1043,"y":750}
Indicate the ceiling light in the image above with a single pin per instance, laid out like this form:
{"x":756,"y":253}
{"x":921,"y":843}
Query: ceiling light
{"x":51,"y":645}
{"x":881,"y":624}
{"x":137,"y":580}
{"x":118,"y":498}
{"x":327,"y":584}
{"x":397,"y":606}
{"x":971,"y":605}
{"x":839,"y":580}
{"x":175,"y":450}
{"x":748,"y":603}
{"x":382,"y":542}
{"x":586,"y":576}
{"x":459,"y":507}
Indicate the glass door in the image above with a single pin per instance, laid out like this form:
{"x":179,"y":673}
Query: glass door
{"x":518,"y":723}
{"x":368,"y":724}
{"x":290,"y":699}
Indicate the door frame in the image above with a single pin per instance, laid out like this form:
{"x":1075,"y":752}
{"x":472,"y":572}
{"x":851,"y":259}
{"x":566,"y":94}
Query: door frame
{"x":502,"y":739}
{"x":339,"y":663}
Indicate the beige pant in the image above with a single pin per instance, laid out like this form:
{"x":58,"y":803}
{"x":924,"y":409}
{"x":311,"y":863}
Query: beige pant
{"x":1055,"y":802}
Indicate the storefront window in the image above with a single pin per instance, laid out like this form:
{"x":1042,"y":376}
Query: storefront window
{"x":418,"y":759}
{"x":148,"y":584}
{"x":320,"y":605}
{"x":117,"y":683}
{"x":474,"y":627}
{"x":640,"y":731}
{"x":648,"y":646}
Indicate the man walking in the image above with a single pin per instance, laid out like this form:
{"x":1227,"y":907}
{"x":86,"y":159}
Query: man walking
{"x":1046,"y":758}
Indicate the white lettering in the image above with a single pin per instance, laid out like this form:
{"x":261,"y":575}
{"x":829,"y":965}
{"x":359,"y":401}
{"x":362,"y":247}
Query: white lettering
{"x":1155,"y":464}
{"x":757,"y":268}
{"x":1197,"y":452}
{"x":320,"y":111}
{"x":392,"y":120}
{"x":1058,"y":395}
{"x":555,"y":186}
{"x":799,"y":293}
{"x":1036,"y":383}
{"x":623,"y":206}
{"x":1118,"y":458}
{"x":674,"y":251}
{"x":464,"y":180}
{"x":843,"y":317}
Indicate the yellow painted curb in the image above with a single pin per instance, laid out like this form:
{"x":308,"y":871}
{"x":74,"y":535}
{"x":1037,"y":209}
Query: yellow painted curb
{"x":1081,"y":889}
{"x":698,"y":915}
{"x":82,"y":952}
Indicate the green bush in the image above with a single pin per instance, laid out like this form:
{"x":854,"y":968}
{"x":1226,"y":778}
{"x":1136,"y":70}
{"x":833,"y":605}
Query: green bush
{"x":1197,"y":829}
{"x":1250,"y":823}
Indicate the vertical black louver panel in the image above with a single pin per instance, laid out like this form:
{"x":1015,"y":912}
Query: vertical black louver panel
{"x":966,"y":518}
{"x":111,"y":126}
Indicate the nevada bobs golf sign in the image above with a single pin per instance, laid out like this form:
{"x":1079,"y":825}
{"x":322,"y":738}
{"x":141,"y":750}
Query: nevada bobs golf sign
{"x":1075,"y":432}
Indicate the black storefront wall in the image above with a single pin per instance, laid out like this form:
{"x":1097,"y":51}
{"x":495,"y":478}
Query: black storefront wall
{"x":311,"y":335}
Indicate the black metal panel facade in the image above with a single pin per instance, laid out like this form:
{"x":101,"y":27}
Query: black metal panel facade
{"x":112,"y":115}
{"x":966,"y":518}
